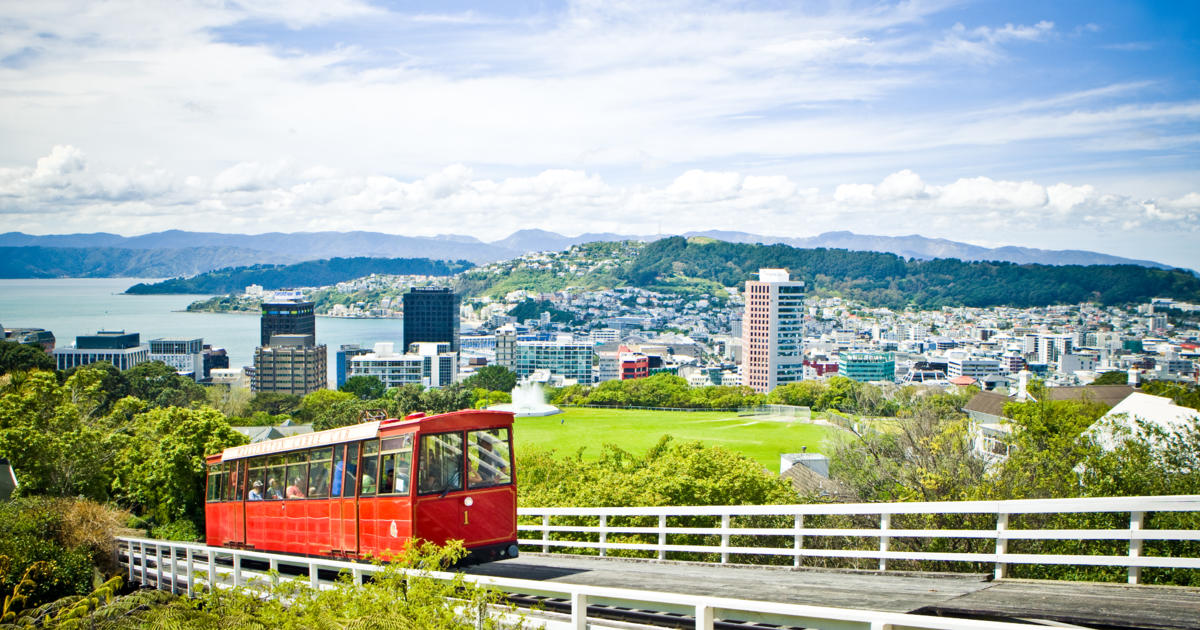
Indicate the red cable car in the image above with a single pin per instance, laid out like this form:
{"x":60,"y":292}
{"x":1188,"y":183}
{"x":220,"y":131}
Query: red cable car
{"x":368,"y":489}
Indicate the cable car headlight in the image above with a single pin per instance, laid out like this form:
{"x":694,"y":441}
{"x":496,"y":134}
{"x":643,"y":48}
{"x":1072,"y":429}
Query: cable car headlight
{"x":468,"y":501}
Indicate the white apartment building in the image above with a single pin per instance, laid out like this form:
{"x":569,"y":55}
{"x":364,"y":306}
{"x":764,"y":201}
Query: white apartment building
{"x":426,"y":366}
{"x":185,"y":354}
{"x":772,"y":343}
{"x":973,"y":367}
{"x":570,"y":360}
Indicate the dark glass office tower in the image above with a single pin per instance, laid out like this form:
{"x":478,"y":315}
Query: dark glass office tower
{"x":287,"y":318}
{"x":431,"y":314}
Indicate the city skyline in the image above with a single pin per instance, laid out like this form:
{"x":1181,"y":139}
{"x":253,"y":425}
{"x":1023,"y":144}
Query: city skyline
{"x":1063,"y":126}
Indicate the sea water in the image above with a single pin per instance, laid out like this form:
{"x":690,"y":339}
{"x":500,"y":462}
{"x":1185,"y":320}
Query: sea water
{"x":81,"y":306}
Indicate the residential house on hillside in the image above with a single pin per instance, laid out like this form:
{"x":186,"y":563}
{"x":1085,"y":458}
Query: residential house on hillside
{"x":1126,"y":418}
{"x":991,"y":430}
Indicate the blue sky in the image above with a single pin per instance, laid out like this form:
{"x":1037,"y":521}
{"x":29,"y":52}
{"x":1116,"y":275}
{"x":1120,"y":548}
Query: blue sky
{"x":1064,"y":125}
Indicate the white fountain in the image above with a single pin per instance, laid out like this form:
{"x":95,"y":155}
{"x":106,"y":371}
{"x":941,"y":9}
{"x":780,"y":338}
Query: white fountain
{"x":528,"y":399}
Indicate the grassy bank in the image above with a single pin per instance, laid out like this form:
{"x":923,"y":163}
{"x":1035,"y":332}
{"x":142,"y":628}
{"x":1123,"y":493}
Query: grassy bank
{"x":637,"y":430}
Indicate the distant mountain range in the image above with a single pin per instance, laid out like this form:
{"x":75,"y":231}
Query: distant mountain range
{"x":176,"y":253}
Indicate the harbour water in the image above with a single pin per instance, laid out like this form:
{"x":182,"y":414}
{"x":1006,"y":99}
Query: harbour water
{"x":80,"y":306}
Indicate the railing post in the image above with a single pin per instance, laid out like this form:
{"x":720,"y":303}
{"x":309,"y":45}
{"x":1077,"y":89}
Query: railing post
{"x":603,"y":535}
{"x":579,"y":604}
{"x":885,"y":523}
{"x":237,"y":569}
{"x":158,"y":567}
{"x":145,"y":579}
{"x":357,"y":573}
{"x":1001,"y":545}
{"x":545,"y":533}
{"x":704,"y":617}
{"x":1136,"y":519}
{"x":313,"y":576}
{"x":724,"y":540}
{"x":879,"y":625}
{"x":174,"y":568}
{"x":212,"y":570}
{"x":129,"y":557}
{"x":662,"y":536}
{"x":191,"y":570}
{"x":798,"y":545}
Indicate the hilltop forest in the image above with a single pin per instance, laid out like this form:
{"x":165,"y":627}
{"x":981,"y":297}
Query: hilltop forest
{"x":312,"y":273}
{"x":889,"y":280}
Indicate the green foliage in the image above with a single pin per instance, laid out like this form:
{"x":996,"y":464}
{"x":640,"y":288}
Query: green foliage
{"x":159,"y":465}
{"x":1115,"y":377}
{"x":403,"y":595}
{"x":159,"y":385}
{"x":670,"y":473}
{"x":662,"y":390}
{"x":64,"y":538}
{"x":352,"y":411}
{"x":183,"y":530}
{"x":493,"y":378}
{"x":533,"y":309}
{"x":16,"y":357}
{"x":889,"y":280}
{"x":274,"y":403}
{"x":482,"y":398}
{"x":364,"y":387}
{"x":319,"y":404}
{"x":1183,"y":394}
{"x":306,"y":274}
{"x":55,"y":435}
{"x":925,"y":455}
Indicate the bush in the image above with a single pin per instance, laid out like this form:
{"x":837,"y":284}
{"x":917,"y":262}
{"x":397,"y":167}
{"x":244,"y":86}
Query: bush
{"x":181,"y":530}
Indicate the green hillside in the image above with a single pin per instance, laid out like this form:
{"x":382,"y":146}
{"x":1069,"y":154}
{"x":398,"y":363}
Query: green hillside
{"x":889,"y":280}
{"x":312,"y":273}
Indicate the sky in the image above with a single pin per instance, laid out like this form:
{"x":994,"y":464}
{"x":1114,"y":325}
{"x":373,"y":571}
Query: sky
{"x":1059,"y":125}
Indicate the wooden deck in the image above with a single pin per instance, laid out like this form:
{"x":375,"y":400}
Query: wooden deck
{"x":952,"y":595}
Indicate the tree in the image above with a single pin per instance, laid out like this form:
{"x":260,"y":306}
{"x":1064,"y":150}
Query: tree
{"x":274,"y":403}
{"x":802,"y":394}
{"x":53,"y":435}
{"x":22,"y":357}
{"x":159,"y":469}
{"x":160,"y":385}
{"x":925,"y":456}
{"x":670,"y":473}
{"x":318,"y":404}
{"x":1115,"y":377}
{"x":364,"y":387}
{"x":493,"y":378}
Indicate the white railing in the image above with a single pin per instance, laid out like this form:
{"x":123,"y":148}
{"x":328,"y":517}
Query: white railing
{"x":599,"y":535}
{"x":185,"y":568}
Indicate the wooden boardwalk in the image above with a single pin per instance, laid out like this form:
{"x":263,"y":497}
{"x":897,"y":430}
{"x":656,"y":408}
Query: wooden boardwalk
{"x":957,"y":595}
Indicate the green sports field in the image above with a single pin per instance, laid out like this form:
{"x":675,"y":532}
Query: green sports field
{"x":637,"y":430}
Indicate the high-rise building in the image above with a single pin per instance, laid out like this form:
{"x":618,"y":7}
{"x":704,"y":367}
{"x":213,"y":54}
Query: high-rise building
{"x":342,"y":362}
{"x":431,"y":315}
{"x":122,"y":349}
{"x":867,"y":366}
{"x":428,"y":364}
{"x":290,"y":364}
{"x":772,"y":342}
{"x":185,"y":354}
{"x":567,"y":359}
{"x":286,"y":317}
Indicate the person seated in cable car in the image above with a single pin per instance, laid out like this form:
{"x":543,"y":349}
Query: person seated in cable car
{"x":273,"y":489}
{"x":294,"y":491}
{"x":255,"y":493}
{"x":368,"y":484}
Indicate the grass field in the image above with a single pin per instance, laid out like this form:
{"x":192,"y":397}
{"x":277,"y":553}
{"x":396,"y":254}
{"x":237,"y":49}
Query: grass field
{"x":638,"y":430}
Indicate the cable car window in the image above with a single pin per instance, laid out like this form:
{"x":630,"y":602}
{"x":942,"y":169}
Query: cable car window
{"x":370,"y":468}
{"x":233,"y":480}
{"x":214,"y":482}
{"x":395,"y":465}
{"x":318,"y":473}
{"x":255,"y":485}
{"x":488,"y":451}
{"x":351,"y":477}
{"x":297,"y":475}
{"x":339,"y":470}
{"x":276,"y":477}
{"x":441,"y":463}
